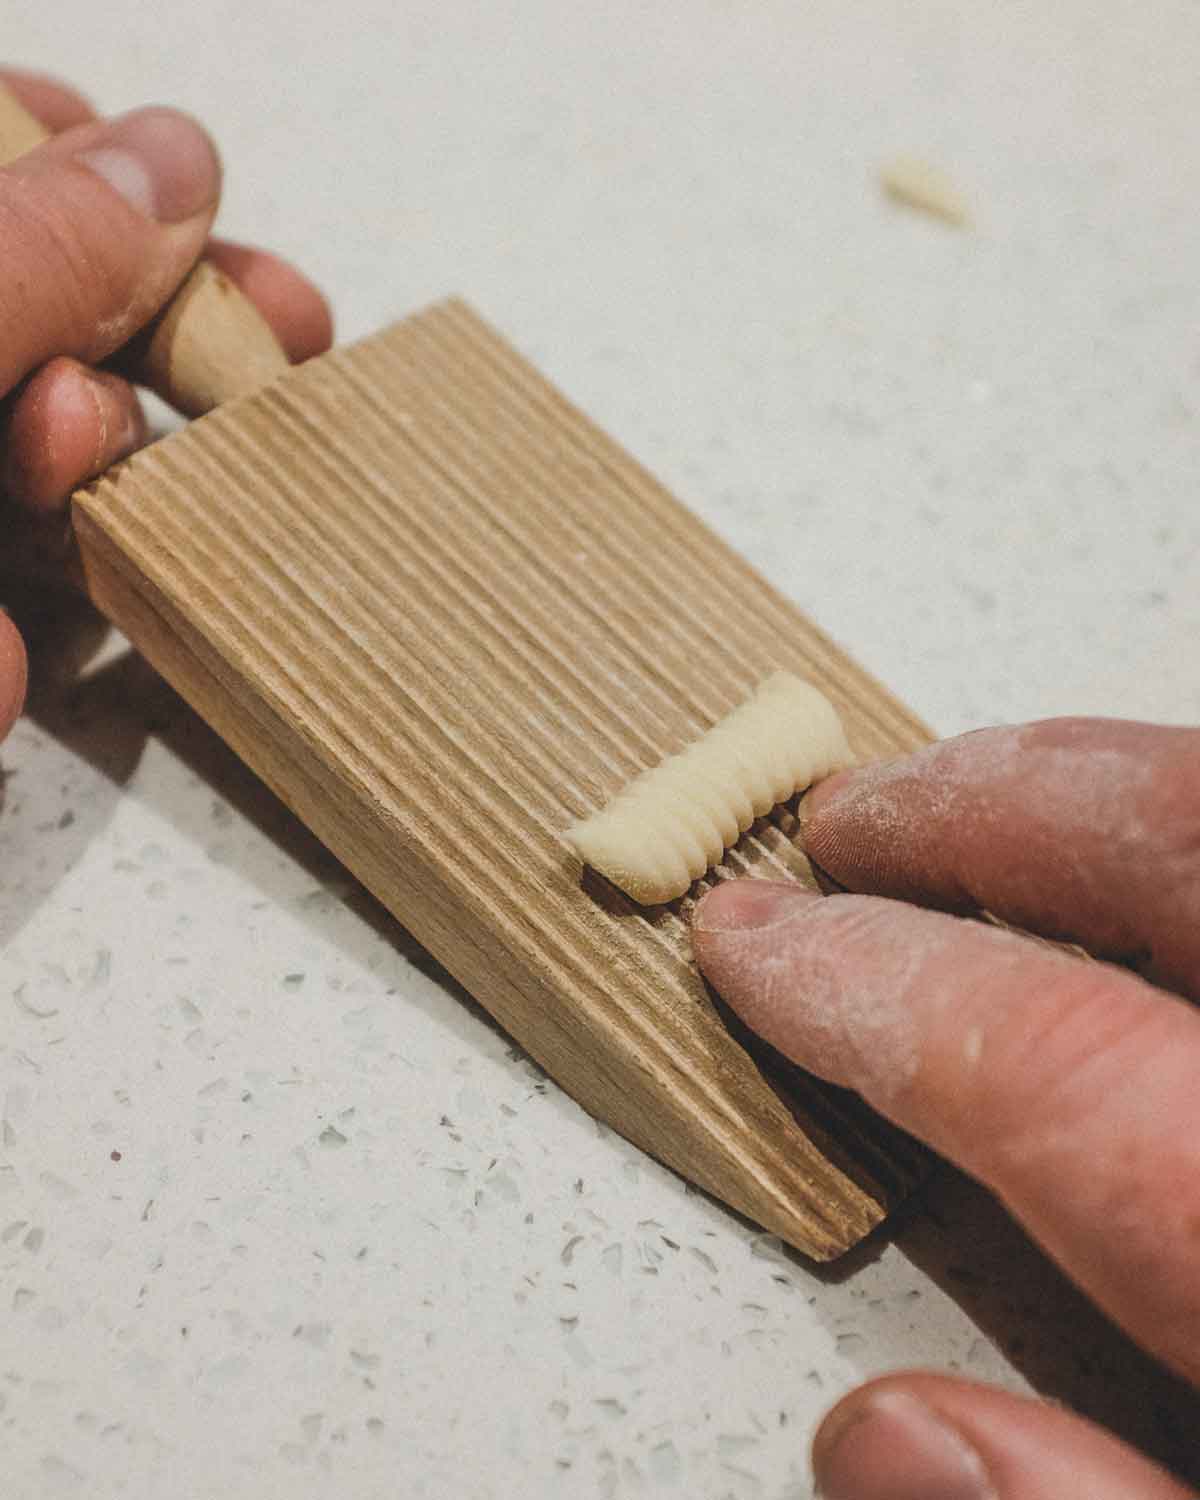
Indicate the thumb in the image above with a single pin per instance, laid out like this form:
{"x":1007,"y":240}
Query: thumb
{"x":97,"y":228}
{"x":917,"y":1436}
{"x":1068,"y":1088}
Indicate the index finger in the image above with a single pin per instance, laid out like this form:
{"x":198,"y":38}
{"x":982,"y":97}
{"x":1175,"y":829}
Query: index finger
{"x":1085,"y":830}
{"x":56,"y":105}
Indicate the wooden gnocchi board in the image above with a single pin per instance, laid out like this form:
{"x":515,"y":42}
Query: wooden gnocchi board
{"x":442,"y":615}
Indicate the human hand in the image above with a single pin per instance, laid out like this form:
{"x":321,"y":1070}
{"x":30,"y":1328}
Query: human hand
{"x":1068,"y":1087}
{"x":98,"y":227}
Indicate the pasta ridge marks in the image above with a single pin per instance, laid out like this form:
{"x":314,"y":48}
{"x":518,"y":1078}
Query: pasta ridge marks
{"x":668,"y":825}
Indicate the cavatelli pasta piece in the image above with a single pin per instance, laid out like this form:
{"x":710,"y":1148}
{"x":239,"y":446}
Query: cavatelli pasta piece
{"x":920,"y":185}
{"x":671,"y":823}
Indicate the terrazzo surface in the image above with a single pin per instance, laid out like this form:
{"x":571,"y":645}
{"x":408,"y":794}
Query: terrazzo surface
{"x":282,"y":1213}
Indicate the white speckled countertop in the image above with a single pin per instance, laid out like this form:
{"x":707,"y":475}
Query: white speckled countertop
{"x":281,"y":1213}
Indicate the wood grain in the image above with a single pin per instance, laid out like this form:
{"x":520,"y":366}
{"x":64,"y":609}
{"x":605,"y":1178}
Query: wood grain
{"x":443,"y":615}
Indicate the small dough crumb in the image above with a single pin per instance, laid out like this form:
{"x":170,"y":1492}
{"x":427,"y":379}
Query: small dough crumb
{"x":919,"y":185}
{"x":669,"y":824}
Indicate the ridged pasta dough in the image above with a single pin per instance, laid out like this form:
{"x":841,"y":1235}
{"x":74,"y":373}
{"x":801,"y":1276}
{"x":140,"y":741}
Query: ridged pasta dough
{"x":669,"y":824}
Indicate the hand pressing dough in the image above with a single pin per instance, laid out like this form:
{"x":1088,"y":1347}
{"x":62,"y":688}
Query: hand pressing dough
{"x":669,"y":824}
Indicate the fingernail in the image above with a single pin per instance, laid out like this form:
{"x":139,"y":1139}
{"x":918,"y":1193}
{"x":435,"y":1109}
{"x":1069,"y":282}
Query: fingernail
{"x":894,"y":1447}
{"x":748,"y":905}
{"x":161,"y":162}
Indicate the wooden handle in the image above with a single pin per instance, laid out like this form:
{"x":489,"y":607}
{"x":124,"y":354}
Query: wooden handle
{"x":210,"y":344}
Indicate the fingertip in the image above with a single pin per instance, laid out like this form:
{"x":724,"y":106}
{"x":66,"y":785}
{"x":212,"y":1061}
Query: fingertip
{"x":66,"y":426}
{"x":819,"y":796}
{"x":916,"y":1435}
{"x":735,"y":938}
{"x":57,"y":105}
{"x":889,"y":1445}
{"x":161,"y":161}
{"x":749,"y":906}
{"x":867,"y":826}
{"x":764,"y":946}
{"x":14,"y":674}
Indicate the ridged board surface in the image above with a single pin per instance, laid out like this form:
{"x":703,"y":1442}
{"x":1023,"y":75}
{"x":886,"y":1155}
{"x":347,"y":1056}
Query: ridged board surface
{"x":442,"y":615}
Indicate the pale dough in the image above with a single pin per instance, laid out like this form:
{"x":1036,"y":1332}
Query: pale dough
{"x":669,"y":824}
{"x":919,"y":185}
